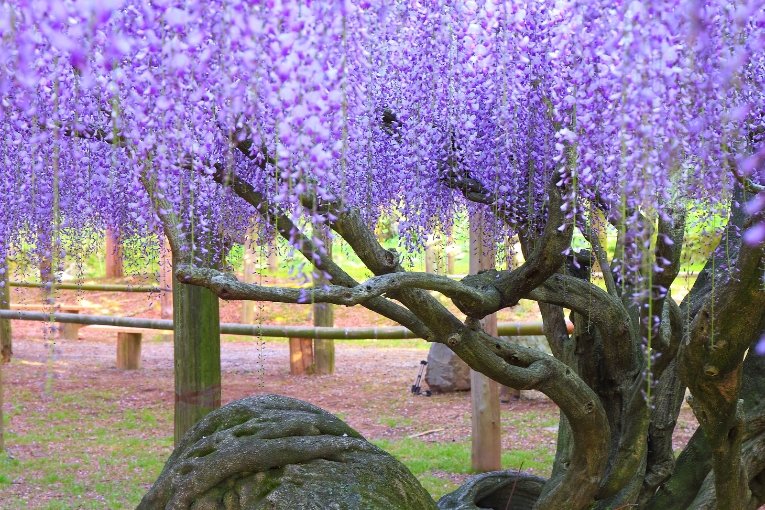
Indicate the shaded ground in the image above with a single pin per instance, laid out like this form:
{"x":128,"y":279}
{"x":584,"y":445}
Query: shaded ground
{"x":85,"y":435}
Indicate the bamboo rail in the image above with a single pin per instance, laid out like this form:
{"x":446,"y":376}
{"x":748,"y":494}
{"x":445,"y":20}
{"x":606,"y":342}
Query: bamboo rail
{"x":334,"y":333}
{"x":105,"y":287}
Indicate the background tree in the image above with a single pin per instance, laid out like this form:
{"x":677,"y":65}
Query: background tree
{"x":197,"y":119}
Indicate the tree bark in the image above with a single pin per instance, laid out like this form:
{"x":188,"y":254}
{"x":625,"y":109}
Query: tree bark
{"x":248,"y":276}
{"x":323,"y":315}
{"x":6,"y":340}
{"x":484,"y":392}
{"x":2,"y":422}
{"x":166,"y":282}
{"x":196,"y":339}
{"x":114,"y":267}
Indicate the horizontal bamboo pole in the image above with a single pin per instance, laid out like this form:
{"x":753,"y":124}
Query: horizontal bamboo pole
{"x":106,"y":287}
{"x":334,"y":333}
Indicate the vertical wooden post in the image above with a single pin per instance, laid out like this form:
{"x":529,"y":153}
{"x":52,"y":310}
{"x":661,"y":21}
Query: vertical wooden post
{"x":248,"y":276}
{"x":128,"y":351}
{"x":484,"y":393}
{"x":166,"y":282}
{"x":6,"y":341}
{"x":451,"y":252}
{"x":430,"y":259}
{"x":301,"y":356}
{"x":196,"y":339}
{"x":323,"y":315}
{"x":2,"y":427}
{"x":113,"y":255}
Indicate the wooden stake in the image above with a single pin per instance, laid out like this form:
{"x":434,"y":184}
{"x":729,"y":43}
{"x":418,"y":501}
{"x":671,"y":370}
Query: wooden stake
{"x":6,"y":340}
{"x":113,"y":255}
{"x":248,"y":274}
{"x":323,"y":315}
{"x":166,"y":280}
{"x":484,"y":393}
{"x":301,"y":356}
{"x":2,"y":440}
{"x":128,"y":351}
{"x":196,"y":340}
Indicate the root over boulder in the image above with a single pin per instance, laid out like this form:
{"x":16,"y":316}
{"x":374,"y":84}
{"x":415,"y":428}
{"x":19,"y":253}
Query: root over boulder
{"x":279,"y":453}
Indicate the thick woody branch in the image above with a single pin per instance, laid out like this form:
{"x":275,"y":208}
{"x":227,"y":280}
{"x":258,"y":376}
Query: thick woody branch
{"x":711,"y":365}
{"x":164,"y":210}
{"x":519,"y":367}
{"x":600,"y":255}
{"x":606,"y":313}
{"x":508,"y":364}
{"x":226,"y":286}
{"x":289,"y":231}
{"x":749,"y":185}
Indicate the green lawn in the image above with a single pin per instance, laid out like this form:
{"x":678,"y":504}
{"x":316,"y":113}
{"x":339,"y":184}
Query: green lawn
{"x":91,"y":454}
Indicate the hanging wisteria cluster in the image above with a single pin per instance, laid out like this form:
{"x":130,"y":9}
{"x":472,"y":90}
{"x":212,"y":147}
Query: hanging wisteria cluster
{"x":123,"y":112}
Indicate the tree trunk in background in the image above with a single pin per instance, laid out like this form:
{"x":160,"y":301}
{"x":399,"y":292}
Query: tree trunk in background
{"x":430,"y":259}
{"x":273,"y":259}
{"x":324,"y":350}
{"x":166,"y":282}
{"x":196,"y":339}
{"x":301,"y":356}
{"x":484,"y":393}
{"x":2,"y":426}
{"x":113,"y":255}
{"x":434,"y":257}
{"x":6,"y":342}
{"x":248,"y":276}
{"x":451,"y":253}
{"x":46,"y":276}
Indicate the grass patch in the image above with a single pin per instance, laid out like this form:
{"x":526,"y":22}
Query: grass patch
{"x":432,"y":462}
{"x":87,"y":451}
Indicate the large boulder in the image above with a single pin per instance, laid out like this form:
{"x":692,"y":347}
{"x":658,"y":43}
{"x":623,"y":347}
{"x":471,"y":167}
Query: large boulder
{"x":278,"y":453}
{"x":495,"y":490}
{"x":446,"y":371}
{"x":538,"y":342}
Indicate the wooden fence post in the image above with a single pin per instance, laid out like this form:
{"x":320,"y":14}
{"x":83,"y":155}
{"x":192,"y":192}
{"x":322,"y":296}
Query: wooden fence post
{"x":6,"y":340}
{"x":2,"y":427}
{"x":248,"y":275}
{"x":114,"y":267}
{"x":196,"y":340}
{"x":301,"y":356}
{"x":166,"y":280}
{"x":128,"y":350}
{"x":484,"y":393}
{"x":323,"y":315}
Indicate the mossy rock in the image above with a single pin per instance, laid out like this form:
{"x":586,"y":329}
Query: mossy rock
{"x":279,"y":453}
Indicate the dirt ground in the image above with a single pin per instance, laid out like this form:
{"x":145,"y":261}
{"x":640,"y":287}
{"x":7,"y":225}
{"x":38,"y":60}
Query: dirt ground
{"x":370,"y":389}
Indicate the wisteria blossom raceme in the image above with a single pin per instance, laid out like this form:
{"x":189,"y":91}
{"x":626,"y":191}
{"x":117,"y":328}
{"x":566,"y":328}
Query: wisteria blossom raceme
{"x":555,"y":121}
{"x":636,"y":103}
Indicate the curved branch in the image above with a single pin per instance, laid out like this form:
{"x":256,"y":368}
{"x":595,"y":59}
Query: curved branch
{"x":289,"y":231}
{"x":227,"y":286}
{"x":520,"y":367}
{"x":620,"y":347}
{"x":600,"y":256}
{"x":749,"y":185}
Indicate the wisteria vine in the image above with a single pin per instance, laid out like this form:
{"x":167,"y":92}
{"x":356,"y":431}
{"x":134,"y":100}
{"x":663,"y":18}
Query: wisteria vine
{"x":129,"y":104}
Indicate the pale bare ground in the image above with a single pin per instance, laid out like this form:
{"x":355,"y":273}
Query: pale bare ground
{"x":370,"y":390}
{"x":55,"y":379}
